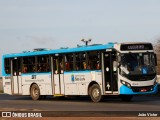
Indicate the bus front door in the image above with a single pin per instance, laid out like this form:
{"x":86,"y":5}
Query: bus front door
{"x":110,"y":72}
{"x":58,"y":84}
{"x":16,"y":76}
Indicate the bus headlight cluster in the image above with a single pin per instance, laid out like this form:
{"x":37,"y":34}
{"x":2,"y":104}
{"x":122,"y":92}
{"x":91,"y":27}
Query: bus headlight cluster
{"x":155,"y":82}
{"x":126,"y":83}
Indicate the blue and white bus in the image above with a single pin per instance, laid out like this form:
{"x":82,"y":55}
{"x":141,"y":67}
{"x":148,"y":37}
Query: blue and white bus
{"x":124,"y":69}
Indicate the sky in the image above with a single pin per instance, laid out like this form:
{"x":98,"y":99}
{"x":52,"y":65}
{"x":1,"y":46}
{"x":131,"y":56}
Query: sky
{"x":29,"y":24}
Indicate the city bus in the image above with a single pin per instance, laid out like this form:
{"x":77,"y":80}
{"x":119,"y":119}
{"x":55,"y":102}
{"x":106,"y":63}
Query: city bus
{"x":98,"y":70}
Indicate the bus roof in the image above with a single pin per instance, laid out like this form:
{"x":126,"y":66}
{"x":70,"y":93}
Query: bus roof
{"x":64,"y":50}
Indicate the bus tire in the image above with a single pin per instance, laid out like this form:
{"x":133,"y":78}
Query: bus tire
{"x":126,"y":98}
{"x":95,"y":93}
{"x":35,"y":92}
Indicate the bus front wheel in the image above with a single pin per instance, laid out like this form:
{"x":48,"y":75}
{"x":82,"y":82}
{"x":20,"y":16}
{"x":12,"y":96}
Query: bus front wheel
{"x":95,"y":93}
{"x":35,"y":92}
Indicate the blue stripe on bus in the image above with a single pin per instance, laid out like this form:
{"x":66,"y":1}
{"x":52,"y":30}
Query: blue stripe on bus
{"x":27,"y":74}
{"x":6,"y":75}
{"x":3,"y":69}
{"x":83,"y":71}
{"x":128,"y":91}
{"x":52,"y":52}
{"x":66,"y":72}
{"x":42,"y":73}
{"x":69,"y":50}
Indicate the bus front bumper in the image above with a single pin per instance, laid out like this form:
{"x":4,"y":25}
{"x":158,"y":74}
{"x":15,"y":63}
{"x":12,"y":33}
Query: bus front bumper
{"x":124,"y":90}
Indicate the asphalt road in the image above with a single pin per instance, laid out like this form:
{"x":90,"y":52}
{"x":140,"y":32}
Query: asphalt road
{"x":25,"y":103}
{"x":138,"y":103}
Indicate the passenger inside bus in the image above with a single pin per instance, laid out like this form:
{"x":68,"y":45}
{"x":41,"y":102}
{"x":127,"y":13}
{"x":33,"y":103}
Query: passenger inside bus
{"x":25,"y":69}
{"x":89,"y":65}
{"x":39,"y":68}
{"x":67,"y":66}
{"x":84,"y":65}
{"x":98,"y":65}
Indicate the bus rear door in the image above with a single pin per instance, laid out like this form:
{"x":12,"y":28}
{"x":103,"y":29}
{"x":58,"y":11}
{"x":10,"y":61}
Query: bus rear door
{"x":16,"y":76}
{"x":58,"y":83}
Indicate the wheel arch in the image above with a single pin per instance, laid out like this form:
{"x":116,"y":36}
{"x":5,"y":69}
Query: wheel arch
{"x":31,"y":87}
{"x":90,"y":84}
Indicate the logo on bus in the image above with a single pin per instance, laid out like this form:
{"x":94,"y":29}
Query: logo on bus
{"x":79,"y":77}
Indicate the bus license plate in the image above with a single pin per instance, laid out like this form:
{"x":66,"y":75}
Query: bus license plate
{"x":143,"y":90}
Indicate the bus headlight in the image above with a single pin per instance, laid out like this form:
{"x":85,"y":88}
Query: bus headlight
{"x":125,"y":83}
{"x":155,"y":82}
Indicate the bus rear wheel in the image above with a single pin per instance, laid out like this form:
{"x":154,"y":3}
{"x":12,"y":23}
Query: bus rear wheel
{"x":35,"y":92}
{"x":95,"y":93}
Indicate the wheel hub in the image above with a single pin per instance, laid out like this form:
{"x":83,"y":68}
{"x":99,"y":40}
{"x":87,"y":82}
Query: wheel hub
{"x":35,"y":92}
{"x":95,"y":93}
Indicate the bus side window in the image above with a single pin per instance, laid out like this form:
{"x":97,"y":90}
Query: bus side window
{"x":82,"y":61}
{"x":43,"y":64}
{"x":55,"y":66}
{"x":77,"y":61}
{"x":24,"y":69}
{"x":94,"y":60}
{"x":28,"y":64}
{"x":69,"y":62}
{"x":84,"y":66}
{"x":61,"y":64}
{"x":7,"y":64}
{"x":67,"y":66}
{"x":98,"y":65}
{"x":89,"y":65}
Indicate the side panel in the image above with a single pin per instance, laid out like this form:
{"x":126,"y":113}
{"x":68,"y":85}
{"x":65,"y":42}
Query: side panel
{"x":42,"y":80}
{"x":71,"y":89}
{"x":20,"y":84}
{"x":76,"y":83}
{"x":15,"y":84}
{"x":7,"y":85}
{"x":48,"y":90}
{"x":82,"y":88}
{"x":62,"y":83}
{"x":56,"y":84}
{"x":26,"y":89}
{"x":42,"y":88}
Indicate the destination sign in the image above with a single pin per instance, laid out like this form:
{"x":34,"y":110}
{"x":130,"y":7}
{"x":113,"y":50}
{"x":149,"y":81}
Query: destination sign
{"x":125,"y":47}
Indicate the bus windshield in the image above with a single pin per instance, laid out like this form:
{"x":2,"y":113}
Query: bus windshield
{"x":138,"y":64}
